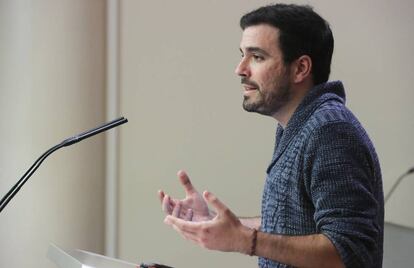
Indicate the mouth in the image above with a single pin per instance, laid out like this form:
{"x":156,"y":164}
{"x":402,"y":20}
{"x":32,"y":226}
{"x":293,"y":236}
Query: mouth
{"x":249,"y":89}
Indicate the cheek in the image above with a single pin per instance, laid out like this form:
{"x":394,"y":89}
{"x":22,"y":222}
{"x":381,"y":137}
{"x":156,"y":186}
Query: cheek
{"x":268,"y":72}
{"x":274,"y":76}
{"x":269,"y":79}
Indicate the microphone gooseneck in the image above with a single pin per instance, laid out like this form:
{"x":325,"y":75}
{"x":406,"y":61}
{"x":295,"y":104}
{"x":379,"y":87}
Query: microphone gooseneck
{"x":394,"y":186}
{"x":67,"y":142}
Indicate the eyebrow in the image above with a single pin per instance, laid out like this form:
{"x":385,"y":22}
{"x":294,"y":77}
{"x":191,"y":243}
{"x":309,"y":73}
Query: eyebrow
{"x":256,"y":49}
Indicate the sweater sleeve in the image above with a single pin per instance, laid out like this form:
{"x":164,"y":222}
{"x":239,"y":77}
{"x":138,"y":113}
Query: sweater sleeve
{"x":341,"y":182}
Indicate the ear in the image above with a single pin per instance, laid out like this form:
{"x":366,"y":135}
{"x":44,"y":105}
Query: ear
{"x":301,"y":69}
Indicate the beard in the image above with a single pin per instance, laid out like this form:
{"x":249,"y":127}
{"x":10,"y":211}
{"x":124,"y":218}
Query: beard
{"x":267,"y":101}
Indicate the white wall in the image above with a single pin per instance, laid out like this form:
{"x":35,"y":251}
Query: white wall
{"x":183,"y":101}
{"x":52,"y":73}
{"x":184,"y":104}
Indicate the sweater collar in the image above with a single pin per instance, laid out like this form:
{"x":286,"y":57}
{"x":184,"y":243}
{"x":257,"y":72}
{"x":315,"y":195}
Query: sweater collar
{"x":316,"y":96}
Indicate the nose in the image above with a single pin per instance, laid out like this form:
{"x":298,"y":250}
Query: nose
{"x":242,"y":68}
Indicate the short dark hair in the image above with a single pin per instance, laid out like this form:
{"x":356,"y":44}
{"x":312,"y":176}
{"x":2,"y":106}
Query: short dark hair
{"x":301,"y":32}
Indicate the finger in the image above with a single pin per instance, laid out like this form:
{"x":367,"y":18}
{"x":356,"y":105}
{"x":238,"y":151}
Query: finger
{"x":176,"y":210}
{"x":166,"y":205}
{"x":190,"y":237}
{"x":186,"y":235}
{"x":189,"y":215}
{"x":185,"y":181}
{"x":161,"y":195}
{"x":183,"y":226}
{"x":183,"y":232}
{"x":214,"y":201}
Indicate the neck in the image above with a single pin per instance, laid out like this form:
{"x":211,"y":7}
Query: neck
{"x":284,"y":114}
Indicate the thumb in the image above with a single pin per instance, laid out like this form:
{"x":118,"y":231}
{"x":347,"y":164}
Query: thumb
{"x":214,"y":201}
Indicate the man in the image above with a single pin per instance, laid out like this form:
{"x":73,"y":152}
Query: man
{"x":322,"y":202}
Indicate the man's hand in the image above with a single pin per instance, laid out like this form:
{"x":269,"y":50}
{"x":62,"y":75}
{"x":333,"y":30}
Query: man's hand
{"x":224,"y":232}
{"x":192,"y":208}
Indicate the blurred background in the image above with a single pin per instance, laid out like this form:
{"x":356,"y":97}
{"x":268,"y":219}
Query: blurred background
{"x":168,"y":66}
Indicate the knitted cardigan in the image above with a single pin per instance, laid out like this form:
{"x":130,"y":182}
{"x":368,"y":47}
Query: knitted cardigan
{"x":325,"y":178}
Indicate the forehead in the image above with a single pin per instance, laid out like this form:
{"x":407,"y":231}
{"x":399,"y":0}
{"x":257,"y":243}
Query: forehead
{"x":262,"y":36}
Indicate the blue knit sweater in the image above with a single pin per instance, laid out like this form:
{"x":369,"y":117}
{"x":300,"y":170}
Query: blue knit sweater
{"x":325,"y":178}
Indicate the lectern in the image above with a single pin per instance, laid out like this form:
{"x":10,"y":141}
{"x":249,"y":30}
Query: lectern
{"x":84,"y":259}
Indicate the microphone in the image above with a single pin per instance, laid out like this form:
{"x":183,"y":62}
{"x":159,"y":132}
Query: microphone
{"x":67,"y":142}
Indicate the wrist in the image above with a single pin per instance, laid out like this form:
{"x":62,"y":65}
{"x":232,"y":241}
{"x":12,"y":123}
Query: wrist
{"x":247,"y":241}
{"x":254,"y":243}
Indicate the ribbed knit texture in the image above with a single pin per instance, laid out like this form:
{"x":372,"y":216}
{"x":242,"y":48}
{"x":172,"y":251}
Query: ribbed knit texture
{"x":325,"y":178}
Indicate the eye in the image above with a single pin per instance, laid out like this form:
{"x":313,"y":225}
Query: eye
{"x":258,"y":57}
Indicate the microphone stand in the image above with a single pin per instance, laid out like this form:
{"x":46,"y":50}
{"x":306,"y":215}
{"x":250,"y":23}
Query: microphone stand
{"x":67,"y":142}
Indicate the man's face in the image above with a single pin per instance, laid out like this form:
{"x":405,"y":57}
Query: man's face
{"x":264,"y":76}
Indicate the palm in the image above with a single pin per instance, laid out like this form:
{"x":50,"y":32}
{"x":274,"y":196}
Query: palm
{"x":197,"y":204}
